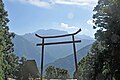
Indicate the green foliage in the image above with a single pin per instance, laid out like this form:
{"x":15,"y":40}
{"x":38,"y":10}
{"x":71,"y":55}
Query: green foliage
{"x":56,"y":73}
{"x":107,"y":21}
{"x":90,"y":66}
{"x":1,"y":71}
{"x":19,"y":72}
{"x":8,"y":61}
{"x":50,"y":72}
{"x":85,"y":70}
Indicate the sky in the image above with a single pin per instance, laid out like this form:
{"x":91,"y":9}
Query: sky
{"x":27,"y":16}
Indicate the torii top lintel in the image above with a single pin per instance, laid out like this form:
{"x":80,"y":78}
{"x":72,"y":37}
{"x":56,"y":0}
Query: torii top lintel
{"x":58,"y":35}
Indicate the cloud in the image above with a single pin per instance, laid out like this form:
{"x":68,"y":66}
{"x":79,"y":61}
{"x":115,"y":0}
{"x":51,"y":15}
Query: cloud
{"x":90,"y":22}
{"x":66,"y":26}
{"x":37,"y":3}
{"x":49,"y":3}
{"x":75,"y":2}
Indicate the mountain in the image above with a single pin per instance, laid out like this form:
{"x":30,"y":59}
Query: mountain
{"x":50,"y":32}
{"x":58,"y":51}
{"x":68,"y":62}
{"x":25,"y":45}
{"x":85,"y":37}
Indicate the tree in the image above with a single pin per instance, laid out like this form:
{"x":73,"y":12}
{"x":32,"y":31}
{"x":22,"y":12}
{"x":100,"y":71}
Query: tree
{"x":50,"y":72}
{"x":56,"y":73}
{"x":85,"y":70}
{"x":62,"y":73}
{"x":90,"y":66}
{"x":107,"y":21}
{"x":8,"y":61}
{"x":19,"y":72}
{"x":105,"y":52}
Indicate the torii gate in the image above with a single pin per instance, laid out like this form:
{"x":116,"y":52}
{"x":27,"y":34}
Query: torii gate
{"x":64,"y":42}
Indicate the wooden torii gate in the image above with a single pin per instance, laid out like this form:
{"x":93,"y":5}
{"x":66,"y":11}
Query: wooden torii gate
{"x":64,"y":42}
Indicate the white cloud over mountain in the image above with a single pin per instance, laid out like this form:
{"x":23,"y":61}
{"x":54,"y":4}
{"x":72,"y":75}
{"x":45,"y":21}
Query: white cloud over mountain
{"x":68,"y":28}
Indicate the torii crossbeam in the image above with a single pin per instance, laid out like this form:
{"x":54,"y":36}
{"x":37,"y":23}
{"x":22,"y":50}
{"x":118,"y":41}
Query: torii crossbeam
{"x":63,"y":42}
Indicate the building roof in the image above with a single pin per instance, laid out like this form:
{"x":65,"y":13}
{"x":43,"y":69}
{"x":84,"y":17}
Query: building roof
{"x":30,"y":69}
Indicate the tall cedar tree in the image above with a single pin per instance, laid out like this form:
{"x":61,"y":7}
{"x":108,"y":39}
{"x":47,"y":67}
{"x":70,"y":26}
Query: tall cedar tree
{"x":107,"y":23}
{"x":90,"y":67}
{"x":8,"y":61}
{"x":104,"y":56}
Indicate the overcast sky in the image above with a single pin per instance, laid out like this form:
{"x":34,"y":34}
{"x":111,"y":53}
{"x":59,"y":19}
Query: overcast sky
{"x":27,"y":16}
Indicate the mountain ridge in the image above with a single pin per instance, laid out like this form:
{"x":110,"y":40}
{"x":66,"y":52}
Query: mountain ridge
{"x":27,"y":44}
